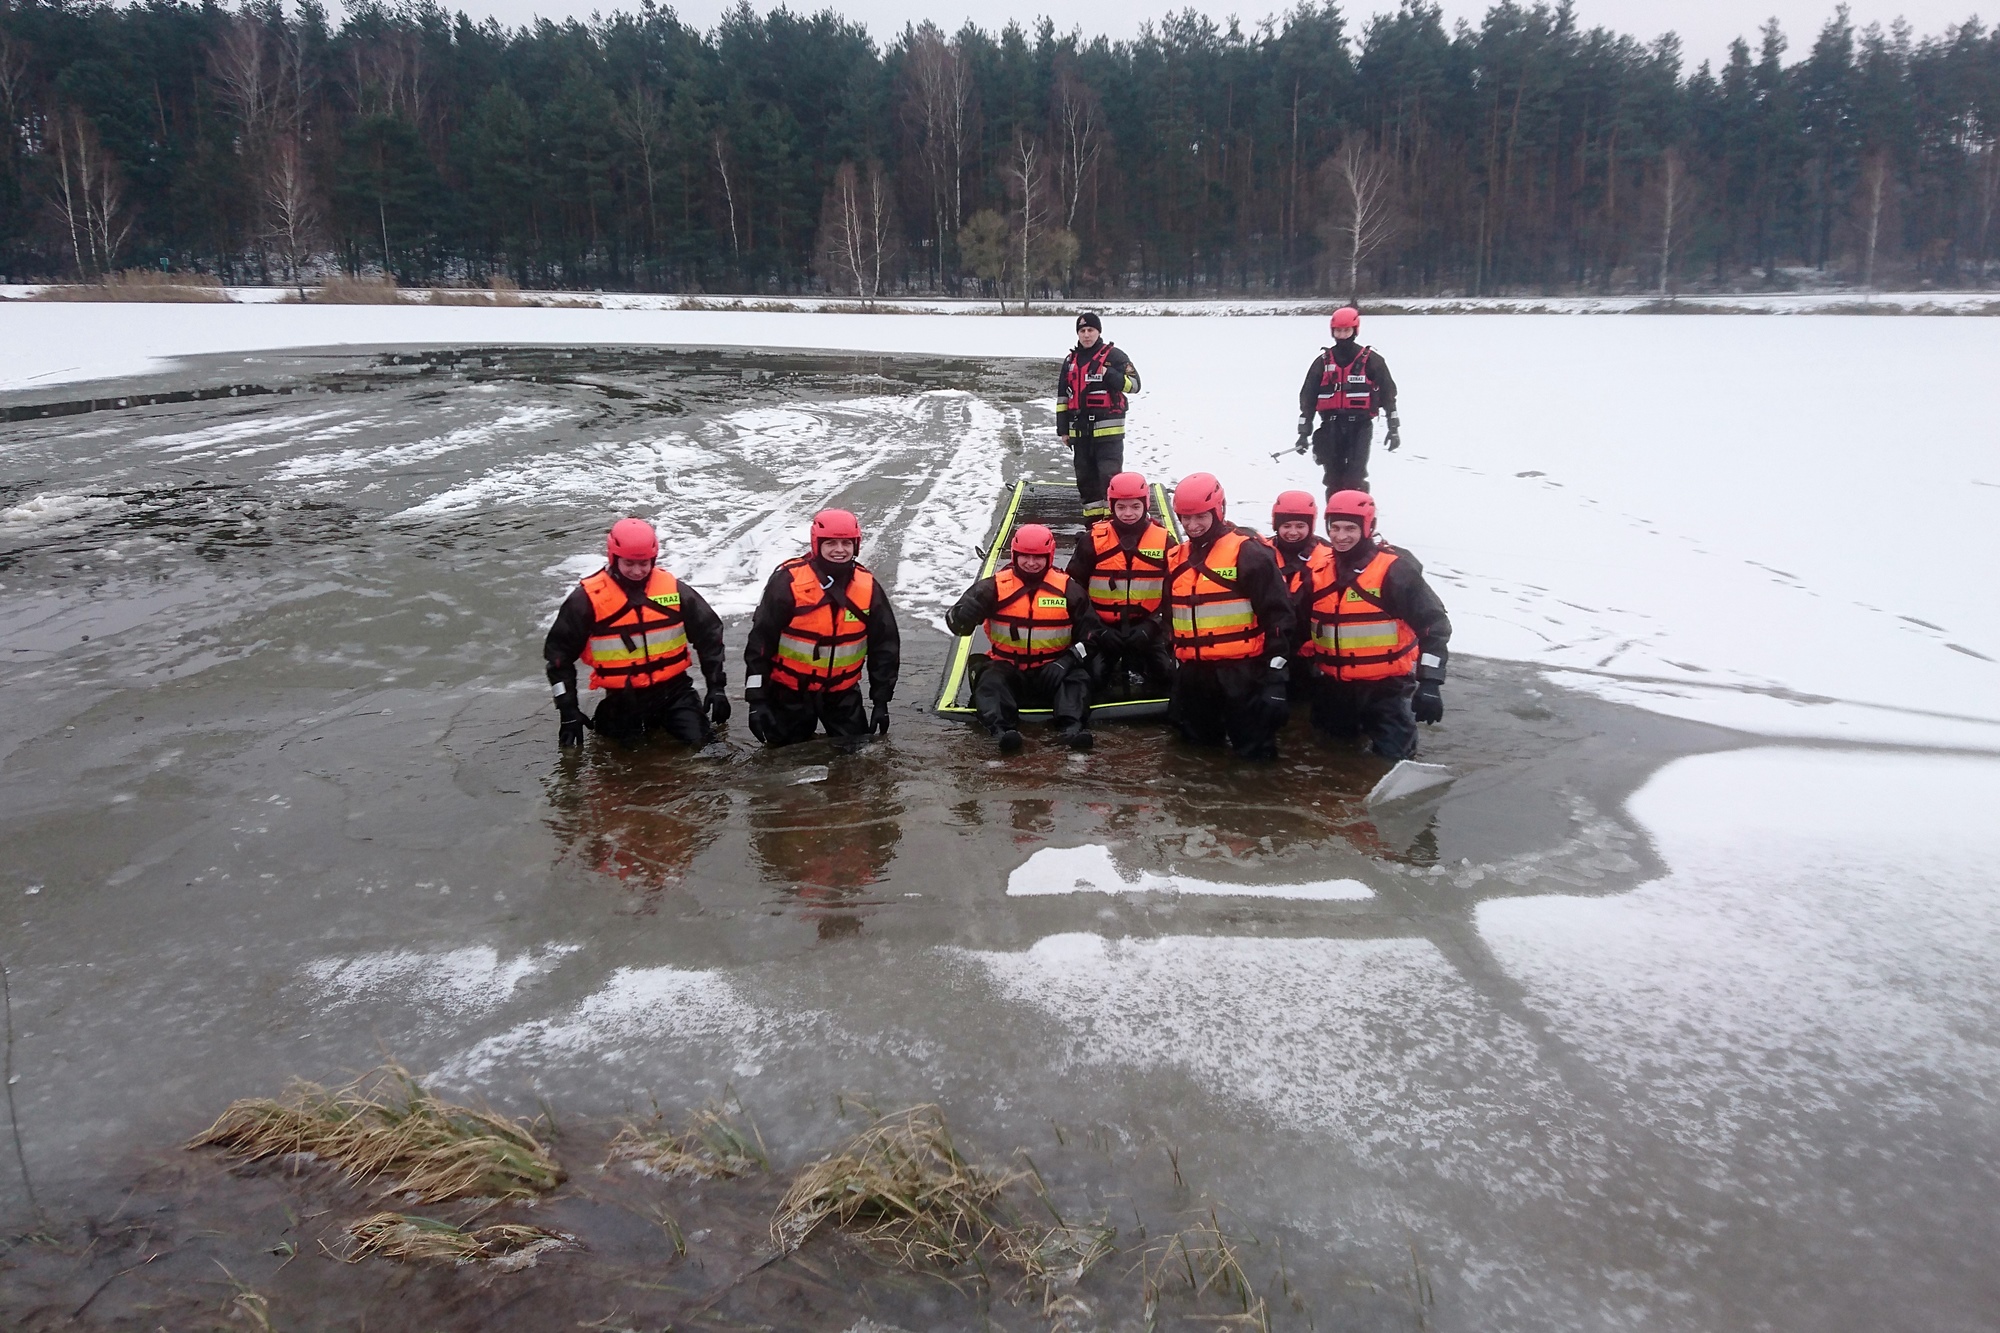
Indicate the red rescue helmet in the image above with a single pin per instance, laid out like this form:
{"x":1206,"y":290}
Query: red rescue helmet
{"x":1198,"y":493}
{"x":836,"y":523}
{"x":1355,"y":507}
{"x":1034,"y":539}
{"x":1126,"y":486}
{"x":632,"y":539}
{"x":1294,"y":504}
{"x":1347,"y":317}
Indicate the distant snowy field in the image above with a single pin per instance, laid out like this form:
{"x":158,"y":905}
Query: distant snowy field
{"x":1787,"y":526}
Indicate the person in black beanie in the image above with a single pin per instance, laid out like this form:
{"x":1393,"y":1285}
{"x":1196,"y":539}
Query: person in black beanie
{"x":1090,"y":410}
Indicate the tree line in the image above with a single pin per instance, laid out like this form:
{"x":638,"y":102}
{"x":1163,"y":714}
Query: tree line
{"x":792,"y":153}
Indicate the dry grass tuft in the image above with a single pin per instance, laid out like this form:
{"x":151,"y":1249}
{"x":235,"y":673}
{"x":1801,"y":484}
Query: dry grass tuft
{"x":345,"y":289}
{"x":387,"y":1124}
{"x":502,"y":291}
{"x":903,"y":1183}
{"x":141,"y":284}
{"x":712,"y":1147}
{"x":505,"y":1246}
{"x":1206,"y":1261}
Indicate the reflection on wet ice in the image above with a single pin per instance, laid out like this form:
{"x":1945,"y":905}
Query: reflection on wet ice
{"x":640,"y":817}
{"x":825,"y":843}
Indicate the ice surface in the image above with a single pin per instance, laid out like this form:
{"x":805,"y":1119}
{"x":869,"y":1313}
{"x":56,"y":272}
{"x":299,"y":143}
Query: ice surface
{"x":1408,"y":778}
{"x":454,"y":983}
{"x":1664,"y":507}
{"x":1054,"y":870}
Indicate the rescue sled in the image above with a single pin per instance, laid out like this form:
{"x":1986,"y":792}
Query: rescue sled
{"x":1058,"y":508}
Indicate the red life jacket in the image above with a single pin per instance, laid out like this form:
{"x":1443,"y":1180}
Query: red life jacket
{"x":1353,"y":636}
{"x":636,"y":639}
{"x":1121,"y":580}
{"x":1348,"y":388}
{"x":1030,"y":624}
{"x":1085,"y":384}
{"x":825,"y":645}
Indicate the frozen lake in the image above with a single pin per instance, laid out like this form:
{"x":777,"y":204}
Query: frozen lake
{"x":1677,"y":1012}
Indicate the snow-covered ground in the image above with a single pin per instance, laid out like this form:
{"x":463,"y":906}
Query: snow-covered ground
{"x":1787,"y":527}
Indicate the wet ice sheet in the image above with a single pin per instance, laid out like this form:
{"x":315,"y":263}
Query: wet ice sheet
{"x":1663,"y":505}
{"x":1054,"y":870}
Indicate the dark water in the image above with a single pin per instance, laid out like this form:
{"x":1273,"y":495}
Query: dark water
{"x":281,"y":794}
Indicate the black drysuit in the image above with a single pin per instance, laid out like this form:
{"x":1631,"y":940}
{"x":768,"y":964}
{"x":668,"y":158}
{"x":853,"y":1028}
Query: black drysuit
{"x":1096,"y":436}
{"x":1136,"y":642}
{"x":626,"y":714}
{"x":1379,"y":710}
{"x":786,"y":716}
{"x":1233,"y":699}
{"x":1340,"y":445}
{"x":1062,"y":686}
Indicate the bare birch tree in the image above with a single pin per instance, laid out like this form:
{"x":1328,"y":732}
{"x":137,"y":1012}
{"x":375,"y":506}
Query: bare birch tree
{"x":88,"y":195}
{"x":293,"y":218}
{"x":857,"y":229}
{"x":1676,"y":202}
{"x":1363,"y":187}
{"x":721,"y":143}
{"x":939,"y":110}
{"x":1874,"y":194}
{"x":1079,"y":118}
{"x":642,"y":119}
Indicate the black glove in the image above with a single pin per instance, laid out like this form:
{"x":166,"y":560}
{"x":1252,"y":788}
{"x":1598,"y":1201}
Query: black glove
{"x":880,"y":721}
{"x":717,"y":704}
{"x":1428,"y":705}
{"x":574,"y":723}
{"x":1305,"y":435}
{"x":1395,"y":433}
{"x":1276,"y":681}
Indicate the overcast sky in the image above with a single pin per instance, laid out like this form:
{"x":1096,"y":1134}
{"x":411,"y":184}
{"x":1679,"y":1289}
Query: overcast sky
{"x":1706,"y":27}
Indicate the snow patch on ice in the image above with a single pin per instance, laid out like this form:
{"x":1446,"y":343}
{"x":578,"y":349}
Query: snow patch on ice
{"x":939,"y":555}
{"x":512,"y":421}
{"x":633,"y":1012}
{"x":1317,"y":1032}
{"x":456,"y":983}
{"x":230,"y":432}
{"x":1822,"y":944}
{"x":45,"y":510}
{"x":1058,"y":870}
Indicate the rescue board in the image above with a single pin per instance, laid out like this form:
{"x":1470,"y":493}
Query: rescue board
{"x":1410,"y":778}
{"x":1058,"y":508}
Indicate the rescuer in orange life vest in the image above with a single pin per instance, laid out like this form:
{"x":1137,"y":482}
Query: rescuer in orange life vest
{"x":1036,"y":617}
{"x":1121,"y":562}
{"x":1231,"y":622}
{"x":823,"y":620}
{"x":633,"y":624}
{"x":1301,"y":552}
{"x":1347,"y":384}
{"x":1378,"y":636}
{"x":1090,"y":410}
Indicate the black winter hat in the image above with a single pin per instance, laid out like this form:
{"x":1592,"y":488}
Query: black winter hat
{"x":1089,"y":320}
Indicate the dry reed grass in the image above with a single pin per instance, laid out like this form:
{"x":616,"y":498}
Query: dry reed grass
{"x":400,"y":1236}
{"x":904,"y":1184}
{"x":386,"y":1124}
{"x":141,"y":284}
{"x":347,"y":289}
{"x":502,"y":291}
{"x":711,"y":1147}
{"x":1205,"y":1259}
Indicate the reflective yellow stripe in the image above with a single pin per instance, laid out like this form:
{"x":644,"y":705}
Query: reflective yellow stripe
{"x":654,"y":645}
{"x":1354,"y":636}
{"x":1214,"y":617}
{"x":1117,"y":588}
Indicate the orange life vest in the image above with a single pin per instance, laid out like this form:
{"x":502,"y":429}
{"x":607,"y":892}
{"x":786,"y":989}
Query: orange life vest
{"x":1299,"y":573}
{"x":825,"y":645}
{"x":1212,"y":621}
{"x":1353,"y":636}
{"x":635,"y":639}
{"x":1348,"y":388}
{"x":1122,"y":580}
{"x":1030,"y":624}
